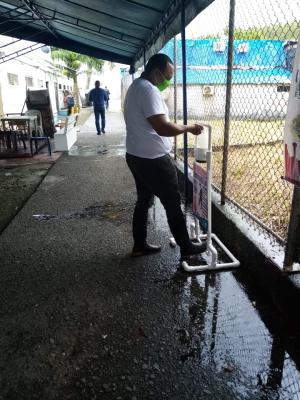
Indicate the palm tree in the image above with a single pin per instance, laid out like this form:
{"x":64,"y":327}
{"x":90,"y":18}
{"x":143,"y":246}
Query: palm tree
{"x":73,"y":62}
{"x":94,"y":65}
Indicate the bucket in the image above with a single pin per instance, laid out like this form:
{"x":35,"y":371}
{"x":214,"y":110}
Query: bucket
{"x":201,"y":147}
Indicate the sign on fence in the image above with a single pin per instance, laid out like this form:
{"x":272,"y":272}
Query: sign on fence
{"x":200,"y":195}
{"x":292,"y":127}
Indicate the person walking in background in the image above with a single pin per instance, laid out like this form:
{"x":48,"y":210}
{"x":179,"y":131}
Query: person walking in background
{"x":108,"y":93}
{"x":149,"y":141}
{"x":99,"y":97}
{"x":69,"y":101}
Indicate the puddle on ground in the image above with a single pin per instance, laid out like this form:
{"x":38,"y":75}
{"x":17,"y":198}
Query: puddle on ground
{"x":224,"y":328}
{"x":22,"y":176}
{"x":226,"y":322}
{"x":98,"y":211}
{"x":105,"y":150}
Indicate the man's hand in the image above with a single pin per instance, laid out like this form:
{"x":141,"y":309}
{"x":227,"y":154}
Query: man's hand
{"x":168,"y":129}
{"x":196,"y":129}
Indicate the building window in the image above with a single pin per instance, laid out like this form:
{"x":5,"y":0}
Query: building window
{"x":12,"y":79}
{"x":29,"y":80}
{"x":283,"y":88}
{"x":64,"y":87}
{"x":59,"y":86}
{"x":40,"y":83}
{"x":68,"y":87}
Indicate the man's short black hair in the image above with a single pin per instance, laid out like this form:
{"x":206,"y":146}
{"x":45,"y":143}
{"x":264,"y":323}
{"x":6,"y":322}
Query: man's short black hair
{"x":97,"y":83}
{"x":159,"y":61}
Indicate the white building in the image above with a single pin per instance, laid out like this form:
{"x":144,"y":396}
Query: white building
{"x":33,"y":70}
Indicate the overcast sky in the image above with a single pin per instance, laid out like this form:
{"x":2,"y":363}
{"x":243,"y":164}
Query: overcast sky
{"x":248,"y":13}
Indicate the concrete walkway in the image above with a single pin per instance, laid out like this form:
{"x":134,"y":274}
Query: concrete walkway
{"x":81,"y":319}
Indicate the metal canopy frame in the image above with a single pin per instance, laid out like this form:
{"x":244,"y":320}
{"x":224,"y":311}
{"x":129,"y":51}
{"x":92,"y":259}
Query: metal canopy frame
{"x":123,"y":31}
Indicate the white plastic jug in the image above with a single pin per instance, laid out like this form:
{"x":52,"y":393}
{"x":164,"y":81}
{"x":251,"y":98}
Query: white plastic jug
{"x":201,"y":146}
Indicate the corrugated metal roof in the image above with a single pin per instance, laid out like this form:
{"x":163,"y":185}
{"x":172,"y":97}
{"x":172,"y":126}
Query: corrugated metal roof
{"x":114,"y":30}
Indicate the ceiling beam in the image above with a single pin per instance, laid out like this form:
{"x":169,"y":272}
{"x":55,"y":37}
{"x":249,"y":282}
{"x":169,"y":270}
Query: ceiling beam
{"x":103,"y":13}
{"x":95,"y":32}
{"x":40,"y":16}
{"x":12,"y":9}
{"x":134,"y":3}
{"x":68,"y":44}
{"x":58,"y":14}
{"x":99,"y":43}
{"x":16,"y":54}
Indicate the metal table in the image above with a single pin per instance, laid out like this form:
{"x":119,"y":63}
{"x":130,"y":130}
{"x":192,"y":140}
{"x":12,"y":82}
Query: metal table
{"x":28,"y":119}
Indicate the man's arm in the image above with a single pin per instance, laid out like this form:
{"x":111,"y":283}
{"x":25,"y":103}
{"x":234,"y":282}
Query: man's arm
{"x":90,"y":96}
{"x":168,"y":129}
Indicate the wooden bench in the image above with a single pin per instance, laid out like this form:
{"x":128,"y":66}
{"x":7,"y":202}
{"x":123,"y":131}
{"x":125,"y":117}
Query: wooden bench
{"x":67,"y":136}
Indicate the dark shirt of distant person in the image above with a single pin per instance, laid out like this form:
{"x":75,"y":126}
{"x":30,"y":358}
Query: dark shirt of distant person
{"x":99,"y":98}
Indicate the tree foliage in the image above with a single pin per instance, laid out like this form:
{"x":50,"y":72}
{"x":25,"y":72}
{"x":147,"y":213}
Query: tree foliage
{"x":288,"y":31}
{"x":73,"y":62}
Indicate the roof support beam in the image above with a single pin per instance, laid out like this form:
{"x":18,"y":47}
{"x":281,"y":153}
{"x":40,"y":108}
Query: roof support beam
{"x":103,"y":13}
{"x":40,"y":16}
{"x":15,"y":41}
{"x":19,"y":53}
{"x":16,"y":28}
{"x":76,"y":46}
{"x":95,"y":41}
{"x":96,"y":32}
{"x":57,"y":15}
{"x":134,"y":3}
{"x":13,"y":10}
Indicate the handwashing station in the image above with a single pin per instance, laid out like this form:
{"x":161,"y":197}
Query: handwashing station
{"x":202,"y":207}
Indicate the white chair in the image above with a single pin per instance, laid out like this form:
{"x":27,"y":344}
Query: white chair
{"x":39,"y":122}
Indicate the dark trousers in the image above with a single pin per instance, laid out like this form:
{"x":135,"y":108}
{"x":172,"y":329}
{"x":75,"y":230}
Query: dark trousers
{"x":157,"y":177}
{"x":99,"y":111}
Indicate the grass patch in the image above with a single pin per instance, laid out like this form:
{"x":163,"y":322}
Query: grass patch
{"x":254,"y":169}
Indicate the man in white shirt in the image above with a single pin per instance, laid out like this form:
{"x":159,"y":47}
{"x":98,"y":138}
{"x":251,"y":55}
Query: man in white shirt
{"x":149,"y":142}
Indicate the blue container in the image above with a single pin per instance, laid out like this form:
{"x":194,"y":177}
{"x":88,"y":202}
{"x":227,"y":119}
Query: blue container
{"x":63,"y":112}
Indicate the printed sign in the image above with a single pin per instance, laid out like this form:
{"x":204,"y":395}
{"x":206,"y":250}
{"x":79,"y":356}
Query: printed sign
{"x":292,"y":127}
{"x":200,"y":195}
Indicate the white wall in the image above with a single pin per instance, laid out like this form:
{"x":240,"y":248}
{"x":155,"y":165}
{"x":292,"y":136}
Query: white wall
{"x":247,"y":102}
{"x":37,"y":65}
{"x":13,"y":96}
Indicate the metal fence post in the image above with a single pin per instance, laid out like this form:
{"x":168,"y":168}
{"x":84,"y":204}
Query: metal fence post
{"x":175,"y":92}
{"x":292,"y":253}
{"x":184,"y":96}
{"x":228,"y":98}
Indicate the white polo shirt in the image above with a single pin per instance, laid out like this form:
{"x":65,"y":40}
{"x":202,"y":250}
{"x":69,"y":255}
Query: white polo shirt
{"x":143,"y":100}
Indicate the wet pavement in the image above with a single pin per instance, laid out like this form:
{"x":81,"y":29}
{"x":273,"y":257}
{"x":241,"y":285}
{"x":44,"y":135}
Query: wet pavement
{"x":17,"y":184}
{"x":81,"y":319}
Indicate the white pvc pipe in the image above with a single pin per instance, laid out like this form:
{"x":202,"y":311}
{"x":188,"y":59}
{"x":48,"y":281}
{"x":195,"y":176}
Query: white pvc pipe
{"x":209,"y":236}
{"x":213,"y":265}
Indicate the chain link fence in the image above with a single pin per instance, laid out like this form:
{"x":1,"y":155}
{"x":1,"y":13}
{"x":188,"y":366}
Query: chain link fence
{"x":264,"y":46}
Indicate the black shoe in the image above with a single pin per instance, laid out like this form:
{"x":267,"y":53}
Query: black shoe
{"x":145,"y":249}
{"x":103,"y":131}
{"x":98,"y":133}
{"x":193,"y":249}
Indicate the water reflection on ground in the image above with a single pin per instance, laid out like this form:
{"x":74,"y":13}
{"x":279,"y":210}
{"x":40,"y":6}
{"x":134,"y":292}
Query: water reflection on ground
{"x":232,"y":326}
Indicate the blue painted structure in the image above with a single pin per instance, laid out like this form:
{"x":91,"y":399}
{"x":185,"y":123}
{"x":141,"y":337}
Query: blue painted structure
{"x":265,"y":62}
